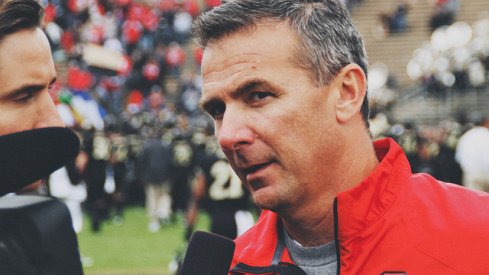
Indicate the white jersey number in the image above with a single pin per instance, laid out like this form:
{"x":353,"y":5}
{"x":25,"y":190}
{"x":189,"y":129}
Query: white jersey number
{"x":222,"y":173}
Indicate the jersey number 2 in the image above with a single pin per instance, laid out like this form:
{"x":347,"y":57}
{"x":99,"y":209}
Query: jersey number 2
{"x":226,"y":184}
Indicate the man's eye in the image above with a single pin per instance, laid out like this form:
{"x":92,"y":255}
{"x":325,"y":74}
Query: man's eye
{"x":257,"y":96}
{"x":23,"y":98}
{"x":216,"y":111}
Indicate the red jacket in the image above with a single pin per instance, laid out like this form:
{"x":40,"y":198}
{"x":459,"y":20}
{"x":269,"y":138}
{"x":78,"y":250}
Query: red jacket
{"x":393,"y":221}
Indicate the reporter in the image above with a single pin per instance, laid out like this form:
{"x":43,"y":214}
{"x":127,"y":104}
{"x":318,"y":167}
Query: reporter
{"x":27,"y":69}
{"x":36,"y":234}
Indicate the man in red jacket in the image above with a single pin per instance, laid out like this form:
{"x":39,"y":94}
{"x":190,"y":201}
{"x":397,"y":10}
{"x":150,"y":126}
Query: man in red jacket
{"x":285,"y":82}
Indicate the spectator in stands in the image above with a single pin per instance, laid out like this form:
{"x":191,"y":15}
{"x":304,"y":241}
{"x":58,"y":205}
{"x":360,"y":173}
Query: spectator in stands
{"x":423,"y":160}
{"x":151,"y":75}
{"x":396,"y":21}
{"x":132,"y":30}
{"x":473,"y":155}
{"x":444,"y":14}
{"x":175,"y":58}
{"x":182,"y":25}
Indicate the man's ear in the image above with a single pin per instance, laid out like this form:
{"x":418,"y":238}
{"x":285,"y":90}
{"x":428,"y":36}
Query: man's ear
{"x":352,"y":84}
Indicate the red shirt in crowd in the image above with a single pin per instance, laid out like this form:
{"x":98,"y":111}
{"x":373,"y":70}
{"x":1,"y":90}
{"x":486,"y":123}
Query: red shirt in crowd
{"x":79,"y":79}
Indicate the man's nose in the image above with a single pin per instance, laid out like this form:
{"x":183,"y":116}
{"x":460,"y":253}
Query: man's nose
{"x":47,"y":114}
{"x":233,"y":132}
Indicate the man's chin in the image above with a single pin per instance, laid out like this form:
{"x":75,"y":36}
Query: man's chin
{"x":264,"y":199}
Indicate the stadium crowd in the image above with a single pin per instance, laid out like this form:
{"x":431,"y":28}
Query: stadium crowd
{"x":456,"y":56}
{"x":122,"y":82}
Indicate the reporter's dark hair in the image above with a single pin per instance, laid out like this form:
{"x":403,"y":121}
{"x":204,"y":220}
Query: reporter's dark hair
{"x":16,"y":15}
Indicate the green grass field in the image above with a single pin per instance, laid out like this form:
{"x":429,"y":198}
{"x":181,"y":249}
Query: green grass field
{"x":130,"y":248}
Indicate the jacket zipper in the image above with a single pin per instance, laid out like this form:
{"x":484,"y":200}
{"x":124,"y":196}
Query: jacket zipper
{"x":336,"y":239}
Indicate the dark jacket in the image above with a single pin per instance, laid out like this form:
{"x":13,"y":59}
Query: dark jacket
{"x":156,"y":161}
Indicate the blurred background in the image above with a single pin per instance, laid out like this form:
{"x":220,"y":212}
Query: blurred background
{"x":129,"y":74}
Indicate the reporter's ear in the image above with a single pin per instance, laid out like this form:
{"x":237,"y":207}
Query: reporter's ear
{"x":352,"y":83}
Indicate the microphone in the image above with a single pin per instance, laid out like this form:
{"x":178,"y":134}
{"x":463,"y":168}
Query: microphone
{"x":207,"y":254}
{"x":28,"y":156}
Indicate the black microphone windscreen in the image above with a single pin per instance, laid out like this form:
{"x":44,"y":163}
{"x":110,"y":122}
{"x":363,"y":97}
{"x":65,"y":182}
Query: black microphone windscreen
{"x":28,"y":156}
{"x":207,"y":254}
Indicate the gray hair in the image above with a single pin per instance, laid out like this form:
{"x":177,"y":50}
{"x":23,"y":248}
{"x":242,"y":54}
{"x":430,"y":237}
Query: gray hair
{"x":328,"y":40}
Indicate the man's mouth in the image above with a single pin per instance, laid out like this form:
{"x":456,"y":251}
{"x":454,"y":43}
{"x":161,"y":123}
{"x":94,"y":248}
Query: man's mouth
{"x":252,"y":172}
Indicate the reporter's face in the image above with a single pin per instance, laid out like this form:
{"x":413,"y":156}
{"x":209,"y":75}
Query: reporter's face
{"x":26,"y":74}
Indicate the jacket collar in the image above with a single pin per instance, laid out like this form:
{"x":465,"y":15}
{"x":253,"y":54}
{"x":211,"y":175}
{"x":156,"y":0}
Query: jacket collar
{"x":357,"y":207}
{"x":371,"y":198}
{"x":259,"y":248}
